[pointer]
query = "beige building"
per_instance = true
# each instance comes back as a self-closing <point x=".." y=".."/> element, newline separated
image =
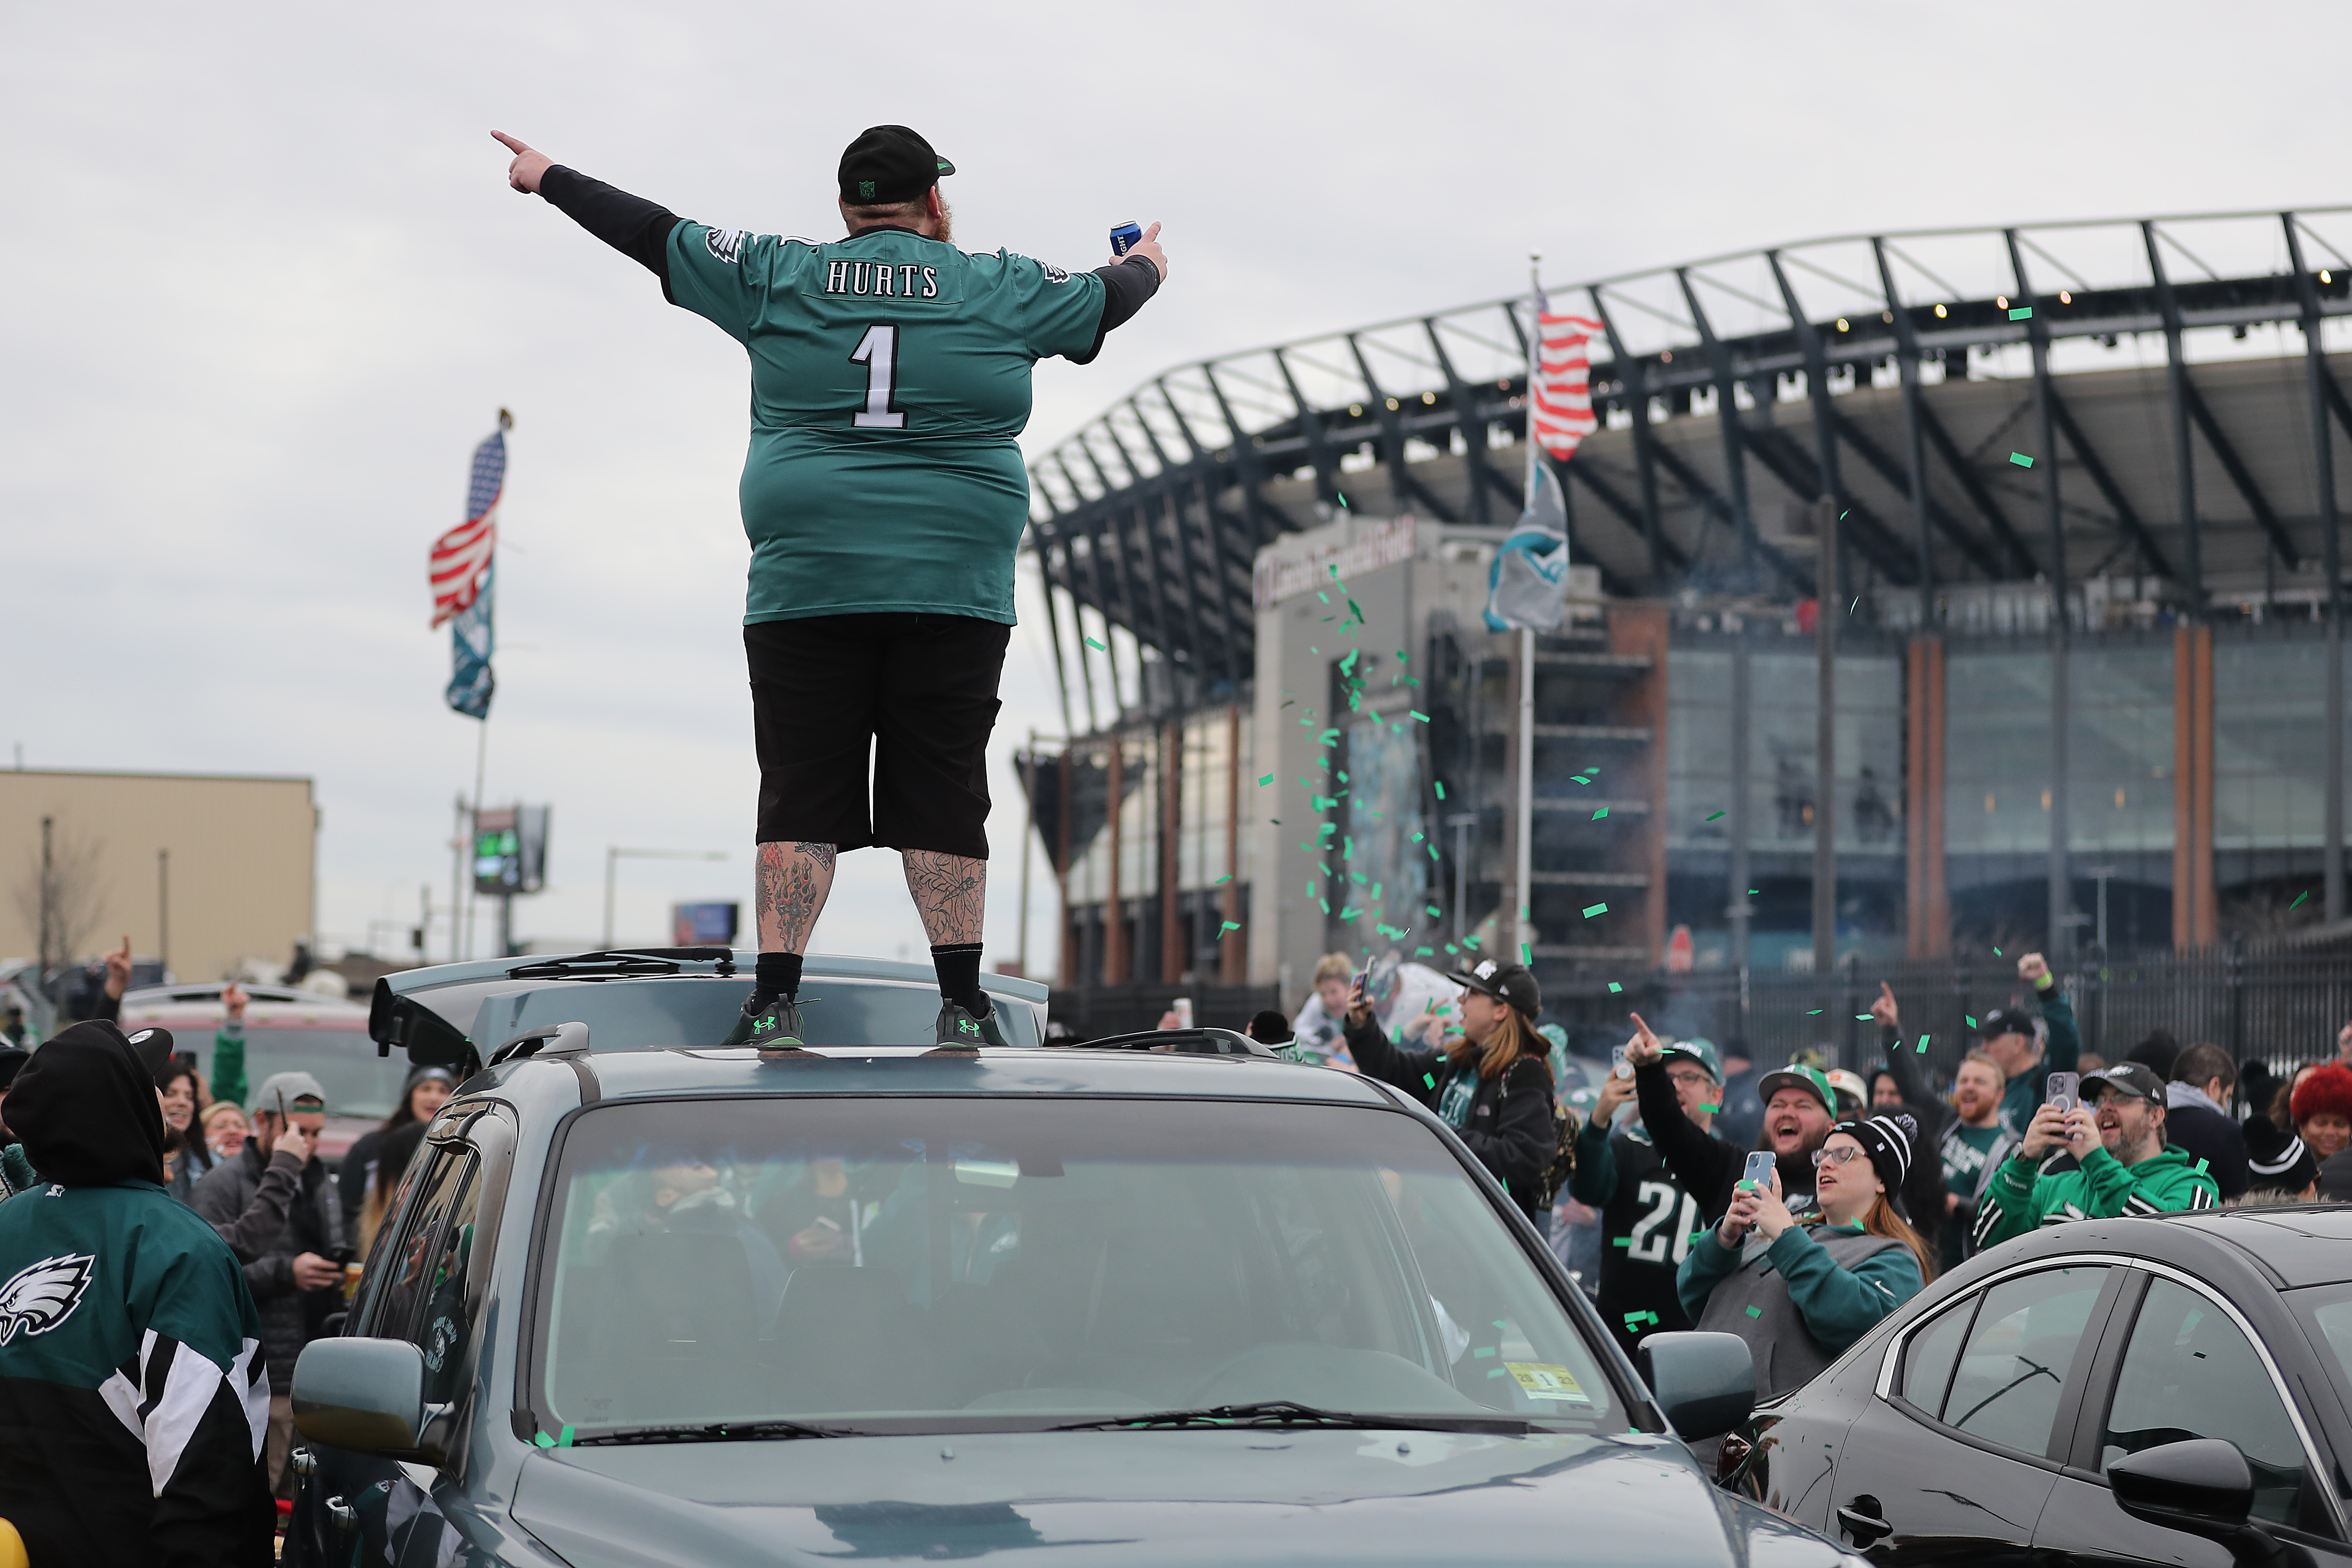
<point x="201" y="870"/>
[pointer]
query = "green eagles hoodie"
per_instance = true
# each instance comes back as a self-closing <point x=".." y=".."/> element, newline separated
<point x="134" y="1397"/>
<point x="2020" y="1198"/>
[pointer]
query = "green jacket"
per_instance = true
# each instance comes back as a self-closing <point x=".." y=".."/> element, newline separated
<point x="2027" y="1090"/>
<point x="2021" y="1199"/>
<point x="1837" y="1304"/>
<point x="228" y="1064"/>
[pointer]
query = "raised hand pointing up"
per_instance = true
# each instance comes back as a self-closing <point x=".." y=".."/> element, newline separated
<point x="528" y="165"/>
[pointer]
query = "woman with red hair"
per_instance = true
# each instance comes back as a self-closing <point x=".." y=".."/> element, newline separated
<point x="2322" y="1109"/>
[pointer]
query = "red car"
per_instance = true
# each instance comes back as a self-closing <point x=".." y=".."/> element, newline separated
<point x="285" y="1031"/>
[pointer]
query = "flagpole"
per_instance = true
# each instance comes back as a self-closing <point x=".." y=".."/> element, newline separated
<point x="1525" y="834"/>
<point x="474" y="824"/>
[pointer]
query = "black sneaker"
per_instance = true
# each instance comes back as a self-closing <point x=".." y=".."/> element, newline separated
<point x="772" y="1026"/>
<point x="961" y="1031"/>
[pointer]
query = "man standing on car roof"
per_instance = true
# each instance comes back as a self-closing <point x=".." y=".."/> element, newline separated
<point x="131" y="1395"/>
<point x="1647" y="1212"/>
<point x="885" y="495"/>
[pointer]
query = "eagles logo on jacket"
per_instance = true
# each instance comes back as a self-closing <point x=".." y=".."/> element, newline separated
<point x="133" y="1401"/>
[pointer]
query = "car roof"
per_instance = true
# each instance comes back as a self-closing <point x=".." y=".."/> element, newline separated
<point x="310" y="1012"/>
<point x="2310" y="1243"/>
<point x="915" y="1071"/>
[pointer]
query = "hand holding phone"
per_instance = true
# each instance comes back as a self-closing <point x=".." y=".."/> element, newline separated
<point x="2065" y="1090"/>
<point x="1757" y="1173"/>
<point x="1618" y="1065"/>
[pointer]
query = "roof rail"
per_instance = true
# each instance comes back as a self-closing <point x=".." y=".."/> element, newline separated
<point x="1202" y="1042"/>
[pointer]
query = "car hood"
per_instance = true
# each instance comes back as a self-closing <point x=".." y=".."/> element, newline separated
<point x="1238" y="1497"/>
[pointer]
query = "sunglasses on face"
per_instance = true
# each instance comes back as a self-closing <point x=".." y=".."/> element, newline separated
<point x="1847" y="1155"/>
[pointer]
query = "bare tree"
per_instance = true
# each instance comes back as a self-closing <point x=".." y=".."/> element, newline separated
<point x="59" y="895"/>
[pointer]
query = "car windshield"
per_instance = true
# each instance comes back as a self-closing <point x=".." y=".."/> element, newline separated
<point x="358" y="1082"/>
<point x="660" y="1014"/>
<point x="960" y="1264"/>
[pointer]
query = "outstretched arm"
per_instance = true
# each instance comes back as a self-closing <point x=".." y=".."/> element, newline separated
<point x="638" y="228"/>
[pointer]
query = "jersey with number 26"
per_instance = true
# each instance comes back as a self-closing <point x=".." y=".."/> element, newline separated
<point x="890" y="385"/>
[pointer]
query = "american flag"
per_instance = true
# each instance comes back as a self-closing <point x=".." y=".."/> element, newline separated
<point x="461" y="557"/>
<point x="1562" y="414"/>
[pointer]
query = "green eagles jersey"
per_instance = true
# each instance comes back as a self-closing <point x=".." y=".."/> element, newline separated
<point x="132" y="1394"/>
<point x="2102" y="1187"/>
<point x="890" y="382"/>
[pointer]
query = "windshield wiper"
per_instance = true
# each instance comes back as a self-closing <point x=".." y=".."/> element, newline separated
<point x="1290" y="1413"/>
<point x="714" y="1432"/>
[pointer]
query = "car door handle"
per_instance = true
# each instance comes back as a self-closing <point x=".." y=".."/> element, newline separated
<point x="1863" y="1520"/>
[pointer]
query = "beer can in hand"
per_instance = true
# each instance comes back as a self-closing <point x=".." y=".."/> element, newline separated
<point x="1126" y="237"/>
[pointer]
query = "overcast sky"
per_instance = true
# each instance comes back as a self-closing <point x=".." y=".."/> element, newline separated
<point x="267" y="287"/>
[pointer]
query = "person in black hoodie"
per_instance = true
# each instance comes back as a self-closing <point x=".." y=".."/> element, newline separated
<point x="1922" y="1200"/>
<point x="2203" y="1078"/>
<point x="131" y="1392"/>
<point x="1491" y="1083"/>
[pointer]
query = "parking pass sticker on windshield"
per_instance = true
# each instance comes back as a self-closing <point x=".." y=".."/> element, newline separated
<point x="1541" y="1380"/>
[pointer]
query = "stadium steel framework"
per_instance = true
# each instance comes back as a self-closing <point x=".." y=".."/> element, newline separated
<point x="1893" y="376"/>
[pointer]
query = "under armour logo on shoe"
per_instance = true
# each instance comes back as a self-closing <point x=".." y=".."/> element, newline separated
<point x="966" y="1026"/>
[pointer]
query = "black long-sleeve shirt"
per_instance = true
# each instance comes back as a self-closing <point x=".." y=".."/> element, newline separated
<point x="640" y="229"/>
<point x="1508" y="1122"/>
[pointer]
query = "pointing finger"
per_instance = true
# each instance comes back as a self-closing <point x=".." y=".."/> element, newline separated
<point x="508" y="142"/>
<point x="1151" y="233"/>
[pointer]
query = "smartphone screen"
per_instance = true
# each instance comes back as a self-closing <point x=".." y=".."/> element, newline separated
<point x="1759" y="1169"/>
<point x="2065" y="1090"/>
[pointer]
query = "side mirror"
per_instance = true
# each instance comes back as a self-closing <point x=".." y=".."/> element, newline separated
<point x="1705" y="1384"/>
<point x="364" y="1395"/>
<point x="2201" y="1487"/>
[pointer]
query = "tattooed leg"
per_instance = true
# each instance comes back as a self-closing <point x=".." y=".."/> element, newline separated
<point x="951" y="892"/>
<point x="794" y="878"/>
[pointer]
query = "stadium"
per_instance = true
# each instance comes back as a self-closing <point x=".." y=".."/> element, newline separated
<point x="2085" y="624"/>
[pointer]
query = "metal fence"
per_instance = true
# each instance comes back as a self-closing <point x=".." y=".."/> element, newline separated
<point x="1101" y="1010"/>
<point x="2281" y="1005"/>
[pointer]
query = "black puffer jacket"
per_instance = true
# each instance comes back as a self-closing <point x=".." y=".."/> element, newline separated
<point x="1509" y="1123"/>
<point x="291" y="1317"/>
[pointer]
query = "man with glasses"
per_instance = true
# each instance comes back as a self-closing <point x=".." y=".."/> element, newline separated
<point x="2123" y="1164"/>
<point x="1647" y="1212"/>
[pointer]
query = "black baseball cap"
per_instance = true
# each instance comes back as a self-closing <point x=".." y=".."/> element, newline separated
<point x="2136" y="1079"/>
<point x="1512" y="982"/>
<point x="889" y="164"/>
<point x="2006" y="1021"/>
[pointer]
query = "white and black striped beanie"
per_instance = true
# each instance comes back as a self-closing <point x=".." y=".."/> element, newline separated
<point x="1888" y="1141"/>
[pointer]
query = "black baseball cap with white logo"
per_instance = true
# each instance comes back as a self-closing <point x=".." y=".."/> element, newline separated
<point x="889" y="164"/>
<point x="2135" y="1079"/>
<point x="1512" y="982"/>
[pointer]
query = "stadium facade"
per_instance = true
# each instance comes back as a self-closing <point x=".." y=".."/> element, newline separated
<point x="2084" y="626"/>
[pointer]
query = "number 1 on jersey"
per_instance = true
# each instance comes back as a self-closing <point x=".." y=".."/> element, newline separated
<point x="877" y="350"/>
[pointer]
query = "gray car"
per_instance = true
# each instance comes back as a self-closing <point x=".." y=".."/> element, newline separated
<point x="1165" y="1298"/>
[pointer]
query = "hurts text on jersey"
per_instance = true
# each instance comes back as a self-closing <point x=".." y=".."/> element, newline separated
<point x="882" y="279"/>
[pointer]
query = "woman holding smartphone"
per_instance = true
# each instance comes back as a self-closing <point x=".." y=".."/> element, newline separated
<point x="1800" y="1294"/>
<point x="1491" y="1083"/>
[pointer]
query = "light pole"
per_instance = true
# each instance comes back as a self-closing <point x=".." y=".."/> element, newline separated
<point x="614" y="854"/>
<point x="1461" y="821"/>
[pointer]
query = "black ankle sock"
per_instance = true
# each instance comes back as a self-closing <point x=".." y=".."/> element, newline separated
<point x="779" y="974"/>
<point x="959" y="967"/>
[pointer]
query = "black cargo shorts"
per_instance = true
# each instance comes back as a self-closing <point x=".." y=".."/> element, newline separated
<point x="909" y="700"/>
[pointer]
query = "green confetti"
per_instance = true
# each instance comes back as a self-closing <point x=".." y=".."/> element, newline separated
<point x="1753" y="891"/>
<point x="1499" y="1372"/>
<point x="1615" y="988"/>
<point x="1601" y="812"/>
<point x="1621" y="1241"/>
<point x="1996" y="952"/>
<point x="1814" y="1014"/>
<point x="1710" y="1109"/>
<point x="2200" y="1167"/>
<point x="1417" y="713"/>
<point x="1923" y="1041"/>
<point x="1755" y="1312"/>
<point x="563" y="1438"/>
<point x="1593" y="910"/>
<point x="1972" y="1023"/>
<point x="1429" y="1078"/>
<point x="1358" y="610"/>
<point x="1861" y="1017"/>
<point x="1226" y="878"/>
<point x="2019" y="312"/>
<point x="1424" y="952"/>
<point x="1229" y="925"/>
<point x="543" y="1440"/>
<point x="2021" y="459"/>
<point x="1482" y="1349"/>
<point x="2290" y="909"/>
<point x="1716" y="816"/>
<point x="1343" y="498"/>
<point x="1526" y="954"/>
<point x="1440" y="787"/>
<point x="1095" y="646"/>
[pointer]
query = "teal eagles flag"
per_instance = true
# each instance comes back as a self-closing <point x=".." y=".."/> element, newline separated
<point x="1527" y="583"/>
<point x="464" y="569"/>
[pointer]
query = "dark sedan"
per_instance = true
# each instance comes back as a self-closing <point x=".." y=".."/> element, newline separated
<point x="2170" y="1389"/>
